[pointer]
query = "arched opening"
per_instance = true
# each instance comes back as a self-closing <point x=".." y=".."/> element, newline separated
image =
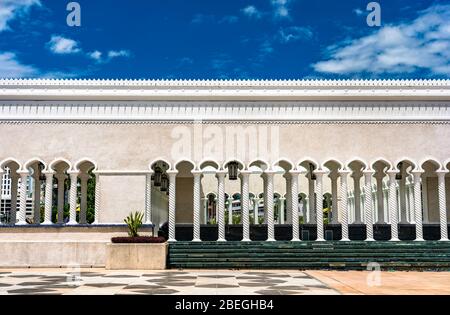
<point x="159" y="187"/>
<point x="331" y="190"/>
<point x="405" y="192"/>
<point x="9" y="191"/>
<point x="430" y="192"/>
<point x="357" y="206"/>
<point x="381" y="192"/>
<point x="60" y="207"/>
<point x="309" y="181"/>
<point x="184" y="192"/>
<point x="86" y="196"/>
<point x="35" y="196"/>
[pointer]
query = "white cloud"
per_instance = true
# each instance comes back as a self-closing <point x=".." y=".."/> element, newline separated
<point x="120" y="53"/>
<point x="63" y="46"/>
<point x="419" y="45"/>
<point x="281" y="8"/>
<point x="96" y="55"/>
<point x="294" y="33"/>
<point x="358" y="12"/>
<point x="11" y="9"/>
<point x="10" y="67"/>
<point x="252" y="12"/>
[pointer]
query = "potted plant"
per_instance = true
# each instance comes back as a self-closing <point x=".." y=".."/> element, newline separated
<point x="135" y="251"/>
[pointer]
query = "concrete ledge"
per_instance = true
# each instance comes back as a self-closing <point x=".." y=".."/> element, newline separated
<point x="52" y="254"/>
<point x="136" y="256"/>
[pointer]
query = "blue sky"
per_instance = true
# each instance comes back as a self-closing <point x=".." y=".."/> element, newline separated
<point x="227" y="39"/>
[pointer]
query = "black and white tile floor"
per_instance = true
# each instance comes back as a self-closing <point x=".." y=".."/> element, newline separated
<point x="176" y="282"/>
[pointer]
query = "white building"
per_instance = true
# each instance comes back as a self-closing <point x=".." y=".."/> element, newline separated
<point x="377" y="151"/>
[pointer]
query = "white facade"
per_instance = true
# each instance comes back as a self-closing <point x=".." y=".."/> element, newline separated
<point x="338" y="139"/>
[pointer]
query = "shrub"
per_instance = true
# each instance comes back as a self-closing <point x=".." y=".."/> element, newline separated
<point x="134" y="222"/>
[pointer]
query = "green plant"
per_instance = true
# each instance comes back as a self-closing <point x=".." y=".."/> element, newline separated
<point x="134" y="222"/>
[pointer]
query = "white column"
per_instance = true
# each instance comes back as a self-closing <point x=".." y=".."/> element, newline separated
<point x="172" y="204"/>
<point x="344" y="205"/>
<point x="265" y="209"/>
<point x="256" y="210"/>
<point x="230" y="210"/>
<point x="97" y="199"/>
<point x="402" y="193"/>
<point x="380" y="202"/>
<point x="426" y="215"/>
<point x="334" y="197"/>
<point x="357" y="195"/>
<point x="312" y="201"/>
<point x="148" y="198"/>
<point x="73" y="198"/>
<point x="205" y="210"/>
<point x="281" y="202"/>
<point x="23" y="197"/>
<point x="2" y="172"/>
<point x="60" y="177"/>
<point x="319" y="205"/>
<point x="368" y="205"/>
<point x="37" y="196"/>
<point x="221" y="204"/>
<point x="269" y="198"/>
<point x="48" y="197"/>
<point x="245" y="178"/>
<point x="83" y="200"/>
<point x="294" y="205"/>
<point x="418" y="205"/>
<point x="197" y="204"/>
<point x="411" y="206"/>
<point x="14" y="187"/>
<point x="287" y="176"/>
<point x="442" y="205"/>
<point x="393" y="214"/>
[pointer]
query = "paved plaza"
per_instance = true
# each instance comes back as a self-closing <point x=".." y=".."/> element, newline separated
<point x="209" y="282"/>
<point x="219" y="282"/>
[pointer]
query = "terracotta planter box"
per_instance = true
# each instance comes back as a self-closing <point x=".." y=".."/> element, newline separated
<point x="136" y="256"/>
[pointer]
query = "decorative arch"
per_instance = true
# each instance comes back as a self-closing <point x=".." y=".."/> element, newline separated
<point x="285" y="164"/>
<point x="85" y="160"/>
<point x="59" y="160"/>
<point x="261" y="163"/>
<point x="185" y="161"/>
<point x="308" y="160"/>
<point x="241" y="164"/>
<point x="406" y="159"/>
<point x="434" y="161"/>
<point x="209" y="162"/>
<point x="365" y="165"/>
<point x="152" y="163"/>
<point x="385" y="161"/>
<point x="332" y="160"/>
<point x="8" y="161"/>
<point x="445" y="165"/>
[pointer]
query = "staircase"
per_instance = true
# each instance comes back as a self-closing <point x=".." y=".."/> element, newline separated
<point x="354" y="255"/>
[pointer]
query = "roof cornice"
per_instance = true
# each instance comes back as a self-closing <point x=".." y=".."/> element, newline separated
<point x="84" y="89"/>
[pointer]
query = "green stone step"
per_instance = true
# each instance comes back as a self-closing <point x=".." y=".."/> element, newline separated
<point x="306" y="251"/>
<point x="342" y="255"/>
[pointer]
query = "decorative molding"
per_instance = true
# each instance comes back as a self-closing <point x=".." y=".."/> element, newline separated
<point x="223" y="112"/>
<point x="47" y="89"/>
